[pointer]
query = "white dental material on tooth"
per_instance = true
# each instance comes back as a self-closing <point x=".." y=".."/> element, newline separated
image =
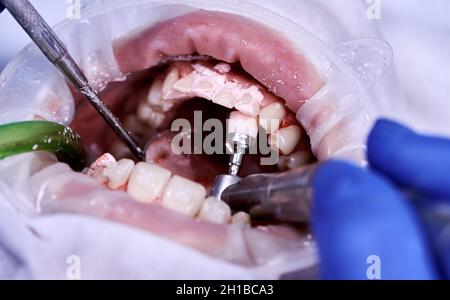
<point x="183" y="196"/>
<point x="226" y="96"/>
<point x="147" y="182"/>
<point x="270" y="117"/>
<point x="241" y="123"/>
<point x="185" y="84"/>
<point x="215" y="211"/>
<point x="285" y="139"/>
<point x="96" y="169"/>
<point x="295" y="160"/>
<point x="222" y="67"/>
<point x="250" y="101"/>
<point x="169" y="82"/>
<point x="241" y="218"/>
<point x="204" y="89"/>
<point x="204" y="71"/>
<point x="119" y="173"/>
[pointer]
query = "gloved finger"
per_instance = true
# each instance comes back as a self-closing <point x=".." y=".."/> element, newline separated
<point x="364" y="228"/>
<point x="411" y="159"/>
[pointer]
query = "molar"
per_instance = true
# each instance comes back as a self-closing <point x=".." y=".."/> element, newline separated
<point x="171" y="78"/>
<point x="155" y="93"/>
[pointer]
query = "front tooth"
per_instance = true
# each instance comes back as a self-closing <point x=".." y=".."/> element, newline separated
<point x="169" y="82"/>
<point x="270" y="117"/>
<point x="241" y="218"/>
<point x="240" y="123"/>
<point x="119" y="173"/>
<point x="226" y="96"/>
<point x="215" y="211"/>
<point x="183" y="196"/>
<point x="204" y="88"/>
<point x="185" y="84"/>
<point x="147" y="182"/>
<point x="285" y="139"/>
<point x="250" y="102"/>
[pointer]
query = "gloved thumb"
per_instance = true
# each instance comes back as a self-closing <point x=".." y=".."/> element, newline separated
<point x="410" y="159"/>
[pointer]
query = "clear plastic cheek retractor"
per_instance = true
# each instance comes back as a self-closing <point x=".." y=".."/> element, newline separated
<point x="52" y="47"/>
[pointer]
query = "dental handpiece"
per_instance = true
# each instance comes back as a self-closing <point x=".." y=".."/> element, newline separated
<point x="55" y="51"/>
<point x="285" y="196"/>
<point x="237" y="144"/>
<point x="288" y="197"/>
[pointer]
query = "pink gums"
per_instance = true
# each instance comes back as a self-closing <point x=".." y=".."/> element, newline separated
<point x="265" y="54"/>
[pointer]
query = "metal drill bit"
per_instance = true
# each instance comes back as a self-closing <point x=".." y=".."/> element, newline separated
<point x="238" y="145"/>
<point x="55" y="51"/>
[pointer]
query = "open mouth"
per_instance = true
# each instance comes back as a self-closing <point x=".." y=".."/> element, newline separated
<point x="226" y="67"/>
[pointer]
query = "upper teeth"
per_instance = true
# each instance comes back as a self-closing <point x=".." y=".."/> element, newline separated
<point x="270" y="117"/>
<point x="286" y="139"/>
<point x="240" y="123"/>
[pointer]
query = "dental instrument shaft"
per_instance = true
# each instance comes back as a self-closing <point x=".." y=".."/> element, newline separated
<point x="237" y="144"/>
<point x="53" y="48"/>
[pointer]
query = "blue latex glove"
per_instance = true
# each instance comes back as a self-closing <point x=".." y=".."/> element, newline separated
<point x="362" y="221"/>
